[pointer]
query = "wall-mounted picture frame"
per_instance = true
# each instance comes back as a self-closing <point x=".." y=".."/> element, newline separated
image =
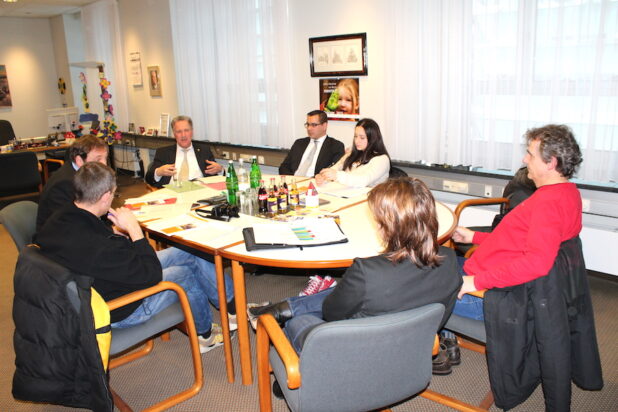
<point x="340" y="98"/>
<point x="341" y="55"/>
<point x="5" y="93"/>
<point x="164" y="124"/>
<point x="154" y="80"/>
<point x="135" y="69"/>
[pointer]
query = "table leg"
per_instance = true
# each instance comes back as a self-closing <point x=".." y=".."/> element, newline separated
<point x="238" y="276"/>
<point x="227" y="342"/>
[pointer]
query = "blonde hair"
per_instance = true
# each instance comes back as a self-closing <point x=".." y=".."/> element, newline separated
<point x="351" y="86"/>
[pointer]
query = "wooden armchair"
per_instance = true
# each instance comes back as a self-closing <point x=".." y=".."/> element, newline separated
<point x="125" y="339"/>
<point x="366" y="374"/>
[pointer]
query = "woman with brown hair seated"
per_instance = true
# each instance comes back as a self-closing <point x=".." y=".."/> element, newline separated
<point x="412" y="271"/>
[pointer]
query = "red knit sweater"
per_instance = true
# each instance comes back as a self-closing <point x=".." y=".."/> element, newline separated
<point x="525" y="244"/>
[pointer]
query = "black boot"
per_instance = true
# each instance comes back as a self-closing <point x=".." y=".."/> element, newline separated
<point x="452" y="350"/>
<point x="440" y="364"/>
<point x="281" y="311"/>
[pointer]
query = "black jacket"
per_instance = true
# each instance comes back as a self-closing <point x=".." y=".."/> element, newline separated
<point x="330" y="153"/>
<point x="79" y="241"/>
<point x="543" y="332"/>
<point x="375" y="286"/>
<point x="167" y="155"/>
<point x="57" y="192"/>
<point x="57" y="357"/>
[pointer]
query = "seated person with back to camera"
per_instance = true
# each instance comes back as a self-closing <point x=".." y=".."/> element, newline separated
<point x="366" y="164"/>
<point x="186" y="159"/>
<point x="76" y="238"/>
<point x="311" y="154"/>
<point x="413" y="270"/>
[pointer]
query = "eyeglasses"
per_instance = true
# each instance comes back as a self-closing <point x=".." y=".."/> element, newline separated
<point x="313" y="124"/>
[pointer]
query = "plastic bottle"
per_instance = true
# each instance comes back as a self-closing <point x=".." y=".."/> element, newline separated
<point x="262" y="199"/>
<point x="243" y="176"/>
<point x="255" y="175"/>
<point x="294" y="201"/>
<point x="272" y="198"/>
<point x="231" y="182"/>
<point x="282" y="201"/>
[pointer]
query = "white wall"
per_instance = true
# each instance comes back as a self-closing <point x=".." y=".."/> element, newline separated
<point x="326" y="18"/>
<point x="146" y="28"/>
<point x="61" y="58"/>
<point x="27" y="50"/>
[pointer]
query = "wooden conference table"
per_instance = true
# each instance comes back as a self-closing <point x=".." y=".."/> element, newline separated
<point x="176" y="223"/>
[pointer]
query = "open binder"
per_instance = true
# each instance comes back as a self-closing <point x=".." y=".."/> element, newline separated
<point x="301" y="233"/>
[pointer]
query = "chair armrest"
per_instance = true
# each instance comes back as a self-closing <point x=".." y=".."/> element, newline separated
<point x="144" y="293"/>
<point x="269" y="326"/>
<point x="478" y="293"/>
<point x="477" y="202"/>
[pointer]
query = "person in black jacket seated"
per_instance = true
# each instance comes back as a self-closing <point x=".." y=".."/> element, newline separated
<point x="58" y="191"/>
<point x="413" y="270"/>
<point x="309" y="155"/>
<point x="76" y="238"/>
<point x="170" y="160"/>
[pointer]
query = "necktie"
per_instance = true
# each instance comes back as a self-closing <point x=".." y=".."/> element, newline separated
<point x="184" y="167"/>
<point x="303" y="169"/>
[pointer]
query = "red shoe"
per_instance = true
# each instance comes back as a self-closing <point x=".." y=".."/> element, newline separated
<point x="328" y="282"/>
<point x="313" y="286"/>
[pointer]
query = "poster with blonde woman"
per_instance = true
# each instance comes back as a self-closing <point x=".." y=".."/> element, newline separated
<point x="339" y="98"/>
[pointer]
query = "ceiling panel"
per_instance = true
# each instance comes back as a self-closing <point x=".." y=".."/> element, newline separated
<point x="41" y="8"/>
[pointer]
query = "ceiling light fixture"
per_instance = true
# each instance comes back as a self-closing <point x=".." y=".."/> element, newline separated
<point x="10" y="1"/>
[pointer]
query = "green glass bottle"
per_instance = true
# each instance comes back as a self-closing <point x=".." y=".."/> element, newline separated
<point x="231" y="183"/>
<point x="255" y="175"/>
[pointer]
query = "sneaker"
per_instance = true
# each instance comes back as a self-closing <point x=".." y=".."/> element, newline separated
<point x="252" y="317"/>
<point x="313" y="286"/>
<point x="328" y="282"/>
<point x="213" y="341"/>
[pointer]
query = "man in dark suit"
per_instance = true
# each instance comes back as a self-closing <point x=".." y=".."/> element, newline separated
<point x="58" y="191"/>
<point x="184" y="159"/>
<point x="309" y="155"/>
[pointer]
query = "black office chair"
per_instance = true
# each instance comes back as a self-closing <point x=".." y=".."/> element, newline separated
<point x="20" y="176"/>
<point x="6" y="132"/>
<point x="396" y="172"/>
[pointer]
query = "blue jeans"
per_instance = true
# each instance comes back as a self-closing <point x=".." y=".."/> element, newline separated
<point x="307" y="314"/>
<point x="468" y="306"/>
<point x="196" y="276"/>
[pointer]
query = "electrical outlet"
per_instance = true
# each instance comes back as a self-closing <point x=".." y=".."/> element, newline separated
<point x="488" y="191"/>
<point x="585" y="205"/>
<point x="261" y="160"/>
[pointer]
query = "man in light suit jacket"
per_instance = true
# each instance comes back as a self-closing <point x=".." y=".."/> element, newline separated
<point x="309" y="155"/>
<point x="168" y="160"/>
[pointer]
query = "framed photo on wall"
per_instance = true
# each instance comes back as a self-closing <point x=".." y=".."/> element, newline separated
<point x="154" y="80"/>
<point x="342" y="55"/>
<point x="5" y="94"/>
<point x="340" y="98"/>
<point x="164" y="125"/>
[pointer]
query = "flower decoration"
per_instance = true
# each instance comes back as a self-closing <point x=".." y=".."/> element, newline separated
<point x="109" y="131"/>
<point x="69" y="135"/>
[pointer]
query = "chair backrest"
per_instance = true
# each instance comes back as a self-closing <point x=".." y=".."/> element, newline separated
<point x="6" y="132"/>
<point x="19" y="219"/>
<point x="20" y="173"/>
<point x="396" y="172"/>
<point x="367" y="363"/>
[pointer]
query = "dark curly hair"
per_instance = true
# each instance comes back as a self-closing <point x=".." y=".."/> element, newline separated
<point x="557" y="140"/>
